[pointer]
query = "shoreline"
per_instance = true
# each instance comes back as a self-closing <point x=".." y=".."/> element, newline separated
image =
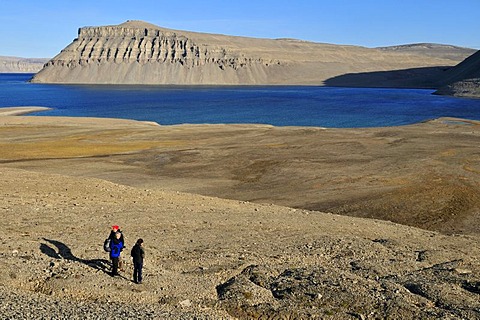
<point x="18" y="111"/>
<point x="12" y="115"/>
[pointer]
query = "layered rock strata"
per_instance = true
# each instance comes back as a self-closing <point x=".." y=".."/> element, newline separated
<point x="140" y="53"/>
<point x="21" y="65"/>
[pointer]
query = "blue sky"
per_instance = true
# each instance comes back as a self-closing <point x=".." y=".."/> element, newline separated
<point x="41" y="28"/>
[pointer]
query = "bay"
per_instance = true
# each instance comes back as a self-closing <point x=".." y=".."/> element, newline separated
<point x="275" y="105"/>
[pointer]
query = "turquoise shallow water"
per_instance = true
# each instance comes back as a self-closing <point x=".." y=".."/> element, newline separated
<point x="276" y="105"/>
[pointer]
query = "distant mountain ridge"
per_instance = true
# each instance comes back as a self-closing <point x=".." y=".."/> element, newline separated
<point x="433" y="49"/>
<point x="137" y="52"/>
<point x="21" y="65"/>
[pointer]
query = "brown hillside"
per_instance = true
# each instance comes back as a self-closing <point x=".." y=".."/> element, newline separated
<point x="434" y="50"/>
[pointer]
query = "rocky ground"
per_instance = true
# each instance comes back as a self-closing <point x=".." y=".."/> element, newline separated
<point x="207" y="257"/>
<point x="216" y="258"/>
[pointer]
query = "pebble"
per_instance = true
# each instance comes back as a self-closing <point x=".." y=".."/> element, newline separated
<point x="462" y="271"/>
<point x="186" y="303"/>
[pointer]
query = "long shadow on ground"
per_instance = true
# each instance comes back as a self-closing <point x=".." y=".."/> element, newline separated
<point x="62" y="251"/>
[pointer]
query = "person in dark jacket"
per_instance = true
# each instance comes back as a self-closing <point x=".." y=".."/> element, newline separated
<point x="138" y="253"/>
<point x="116" y="247"/>
<point x="114" y="230"/>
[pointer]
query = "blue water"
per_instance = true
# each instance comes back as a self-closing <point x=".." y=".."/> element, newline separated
<point x="276" y="105"/>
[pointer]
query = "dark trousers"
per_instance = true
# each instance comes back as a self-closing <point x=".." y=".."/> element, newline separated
<point x="115" y="266"/>
<point x="137" y="271"/>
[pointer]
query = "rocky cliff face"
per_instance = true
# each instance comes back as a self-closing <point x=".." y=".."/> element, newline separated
<point x="21" y="65"/>
<point x="464" y="79"/>
<point x="142" y="46"/>
<point x="140" y="53"/>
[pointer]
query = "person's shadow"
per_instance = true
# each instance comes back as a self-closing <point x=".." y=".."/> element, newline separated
<point x="62" y="251"/>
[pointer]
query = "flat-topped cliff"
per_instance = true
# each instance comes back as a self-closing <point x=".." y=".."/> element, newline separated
<point x="21" y="65"/>
<point x="136" y="52"/>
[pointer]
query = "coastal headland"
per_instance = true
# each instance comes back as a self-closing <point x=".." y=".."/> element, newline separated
<point x="137" y="52"/>
<point x="241" y="221"/>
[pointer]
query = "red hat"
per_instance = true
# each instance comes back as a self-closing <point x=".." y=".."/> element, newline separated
<point x="115" y="227"/>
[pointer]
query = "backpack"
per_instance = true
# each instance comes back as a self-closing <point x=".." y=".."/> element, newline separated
<point x="106" y="245"/>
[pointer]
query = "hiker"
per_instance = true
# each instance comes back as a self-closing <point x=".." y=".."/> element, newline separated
<point x="115" y="229"/>
<point x="116" y="247"/>
<point x="138" y="253"/>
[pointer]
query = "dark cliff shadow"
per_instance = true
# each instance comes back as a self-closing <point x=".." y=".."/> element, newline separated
<point x="425" y="78"/>
<point x="62" y="251"/>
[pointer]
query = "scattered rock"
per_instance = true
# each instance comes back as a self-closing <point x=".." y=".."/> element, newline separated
<point x="185" y="303"/>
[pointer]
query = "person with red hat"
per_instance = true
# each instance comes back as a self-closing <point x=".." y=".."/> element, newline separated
<point x="116" y="229"/>
<point x="114" y="237"/>
<point x="116" y="247"/>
